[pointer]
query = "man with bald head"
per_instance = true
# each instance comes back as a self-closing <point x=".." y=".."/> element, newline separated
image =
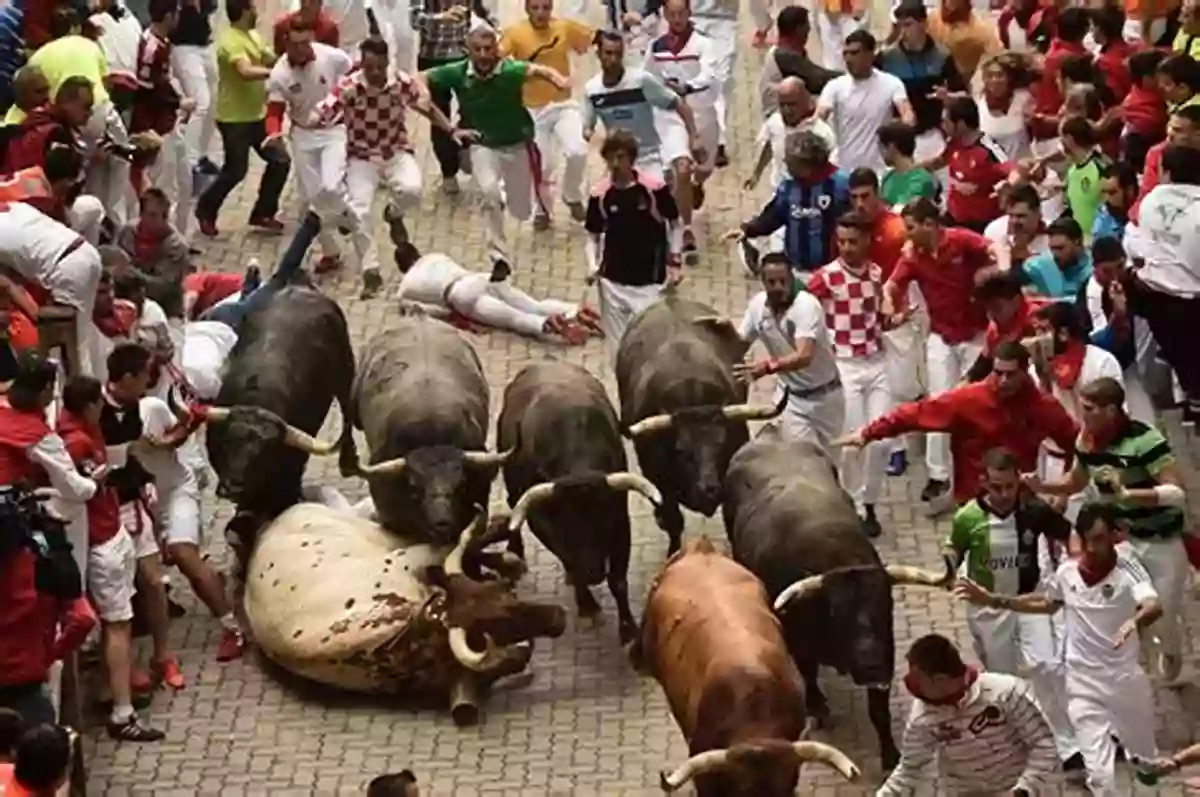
<point x="796" y="112"/>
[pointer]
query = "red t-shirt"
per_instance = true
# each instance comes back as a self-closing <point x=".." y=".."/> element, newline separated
<point x="19" y="431"/>
<point x="1144" y="112"/>
<point x="1047" y="94"/>
<point x="947" y="281"/>
<point x="1113" y="63"/>
<point x="887" y="241"/>
<point x="974" y="171"/>
<point x="86" y="447"/>
<point x="211" y="287"/>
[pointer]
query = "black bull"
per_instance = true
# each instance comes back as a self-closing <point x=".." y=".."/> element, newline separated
<point x="682" y="405"/>
<point x="791" y="524"/>
<point x="421" y="399"/>
<point x="292" y="359"/>
<point x="567" y="477"/>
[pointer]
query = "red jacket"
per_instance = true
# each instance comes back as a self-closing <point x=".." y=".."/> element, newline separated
<point x="978" y="420"/>
<point x="36" y="629"/>
<point x="1020" y="327"/>
<point x="86" y="447"/>
<point x="1113" y="63"/>
<point x="1144" y="112"/>
<point x="947" y="281"/>
<point x="1048" y="98"/>
<point x="1151" y="173"/>
<point x="28" y="147"/>
<point x="18" y="432"/>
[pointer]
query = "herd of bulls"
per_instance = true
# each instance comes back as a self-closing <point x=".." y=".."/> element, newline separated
<point x="734" y="642"/>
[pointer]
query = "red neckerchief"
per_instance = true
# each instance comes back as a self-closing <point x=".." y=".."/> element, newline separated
<point x="1093" y="572"/>
<point x="145" y="243"/>
<point x="1066" y="366"/>
<point x="820" y="176"/>
<point x="969" y="679"/>
<point x="676" y="42"/>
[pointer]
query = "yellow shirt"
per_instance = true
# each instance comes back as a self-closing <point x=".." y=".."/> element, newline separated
<point x="240" y="100"/>
<point x="1187" y="44"/>
<point x="550" y="46"/>
<point x="70" y="56"/>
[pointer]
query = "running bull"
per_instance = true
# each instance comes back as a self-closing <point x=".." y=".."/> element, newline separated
<point x="340" y="600"/>
<point x="292" y="359"/>
<point x="568" y="477"/>
<point x="710" y="639"/>
<point x="682" y="405"/>
<point x="791" y="524"/>
<point x="421" y="398"/>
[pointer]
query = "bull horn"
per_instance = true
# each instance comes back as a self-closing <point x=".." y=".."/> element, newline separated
<point x="467" y="656"/>
<point x="388" y="466"/>
<point x="802" y="588"/>
<point x="529" y="499"/>
<point x="633" y="482"/>
<point x="829" y="755"/>
<point x="298" y="438"/>
<point x="755" y="412"/>
<point x="698" y="764"/>
<point x="217" y="414"/>
<point x="920" y="577"/>
<point x="453" y="565"/>
<point x="655" y="423"/>
<point x="486" y="459"/>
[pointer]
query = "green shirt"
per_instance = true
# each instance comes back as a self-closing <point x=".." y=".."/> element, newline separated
<point x="900" y="188"/>
<point x="493" y="105"/>
<point x="1139" y="457"/>
<point x="1083" y="191"/>
<point x="240" y="100"/>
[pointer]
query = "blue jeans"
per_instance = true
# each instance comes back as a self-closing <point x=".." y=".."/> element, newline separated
<point x="234" y="313"/>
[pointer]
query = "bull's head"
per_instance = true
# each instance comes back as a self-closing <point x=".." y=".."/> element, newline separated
<point x="434" y="478"/>
<point x="571" y="505"/>
<point x="858" y="608"/>
<point x="701" y="438"/>
<point x="766" y="768"/>
<point x="244" y="443"/>
<point x="485" y="619"/>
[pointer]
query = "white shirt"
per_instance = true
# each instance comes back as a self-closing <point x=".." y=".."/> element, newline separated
<point x="804" y="320"/>
<point x="774" y="132"/>
<point x="32" y="243"/>
<point x="1093" y="615"/>
<point x="695" y="65"/>
<point x="161" y="463"/>
<point x="304" y="89"/>
<point x="997" y="233"/>
<point x="1097" y="363"/>
<point x="1167" y="237"/>
<point x="1008" y="129"/>
<point x="858" y="108"/>
<point x="119" y="39"/>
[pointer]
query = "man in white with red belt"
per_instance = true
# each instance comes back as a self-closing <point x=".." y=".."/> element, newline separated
<point x="55" y="257"/>
<point x="300" y="84"/>
<point x="851" y="291"/>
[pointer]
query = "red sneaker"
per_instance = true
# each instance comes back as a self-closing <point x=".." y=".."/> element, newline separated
<point x="268" y="224"/>
<point x="208" y="227"/>
<point x="140" y="681"/>
<point x="328" y="263"/>
<point x="168" y="672"/>
<point x="231" y="646"/>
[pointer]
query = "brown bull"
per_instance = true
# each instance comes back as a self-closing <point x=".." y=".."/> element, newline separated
<point x="710" y="639"/>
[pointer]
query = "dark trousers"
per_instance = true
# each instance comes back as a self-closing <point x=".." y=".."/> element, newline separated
<point x="30" y="701"/>
<point x="234" y="313"/>
<point x="1172" y="321"/>
<point x="237" y="139"/>
<point x="444" y="147"/>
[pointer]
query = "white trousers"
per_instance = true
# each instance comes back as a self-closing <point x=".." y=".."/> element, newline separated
<point x="171" y="172"/>
<point x="400" y="175"/>
<point x="178" y="509"/>
<point x="724" y="34"/>
<point x="86" y="216"/>
<point x="1003" y="640"/>
<point x="108" y="179"/>
<point x="905" y="346"/>
<point x="619" y="305"/>
<point x="500" y="305"/>
<point x="1167" y="565"/>
<point x="73" y="281"/>
<point x="196" y="69"/>
<point x="558" y="129"/>
<point x="819" y="419"/>
<point x="319" y="163"/>
<point x="519" y="169"/>
<point x="868" y="396"/>
<point x="833" y="32"/>
<point x="946" y="364"/>
<point x="1107" y="703"/>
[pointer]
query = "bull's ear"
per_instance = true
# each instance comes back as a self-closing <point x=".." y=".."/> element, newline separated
<point x="435" y="576"/>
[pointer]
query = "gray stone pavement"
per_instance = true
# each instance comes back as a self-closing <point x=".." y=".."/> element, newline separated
<point x="588" y="724"/>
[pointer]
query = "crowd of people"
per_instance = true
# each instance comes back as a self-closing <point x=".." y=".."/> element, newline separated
<point x="983" y="230"/>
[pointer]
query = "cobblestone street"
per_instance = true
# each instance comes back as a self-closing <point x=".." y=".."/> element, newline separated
<point x="588" y="724"/>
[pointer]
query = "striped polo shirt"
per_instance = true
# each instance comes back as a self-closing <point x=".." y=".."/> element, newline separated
<point x="1139" y="455"/>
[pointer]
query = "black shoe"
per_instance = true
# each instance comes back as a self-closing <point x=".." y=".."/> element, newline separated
<point x="722" y="159"/>
<point x="500" y="270"/>
<point x="134" y="731"/>
<point x="207" y="167"/>
<point x="934" y="490"/>
<point x="870" y="523"/>
<point x="897" y="463"/>
<point x="372" y="283"/>
<point x="1074" y="764"/>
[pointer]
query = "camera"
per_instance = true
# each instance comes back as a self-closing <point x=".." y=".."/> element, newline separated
<point x="26" y="524"/>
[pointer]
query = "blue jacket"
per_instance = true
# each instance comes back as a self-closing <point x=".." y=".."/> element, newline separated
<point x="1107" y="225"/>
<point x="808" y="212"/>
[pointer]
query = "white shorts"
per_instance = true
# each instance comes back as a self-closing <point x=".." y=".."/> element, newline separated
<point x="141" y="529"/>
<point x="179" y="511"/>
<point x="111" y="570"/>
<point x="673" y="134"/>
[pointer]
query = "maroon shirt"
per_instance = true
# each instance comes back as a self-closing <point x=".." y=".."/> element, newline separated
<point x="156" y="102"/>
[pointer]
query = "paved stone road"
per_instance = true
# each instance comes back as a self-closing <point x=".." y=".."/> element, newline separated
<point x="588" y="724"/>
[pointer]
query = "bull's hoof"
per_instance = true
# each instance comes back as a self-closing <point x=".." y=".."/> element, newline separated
<point x="465" y="715"/>
<point x="406" y="255"/>
<point x="627" y="634"/>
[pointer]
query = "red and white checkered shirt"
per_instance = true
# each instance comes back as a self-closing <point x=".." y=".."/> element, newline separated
<point x="375" y="117"/>
<point x="852" y="308"/>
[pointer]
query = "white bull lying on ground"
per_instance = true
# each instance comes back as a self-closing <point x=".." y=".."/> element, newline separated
<point x="338" y="599"/>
